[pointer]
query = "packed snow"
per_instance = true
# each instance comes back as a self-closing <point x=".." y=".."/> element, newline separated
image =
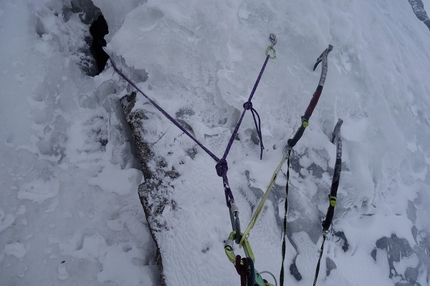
<point x="70" y="212"/>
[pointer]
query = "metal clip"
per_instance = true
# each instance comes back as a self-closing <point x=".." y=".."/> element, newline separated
<point x="271" y="49"/>
<point x="228" y="242"/>
<point x="235" y="222"/>
<point x="273" y="39"/>
<point x="234" y="209"/>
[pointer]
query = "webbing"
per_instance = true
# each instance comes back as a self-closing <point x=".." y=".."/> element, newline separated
<point x="242" y="268"/>
<point x="284" y="234"/>
<point x="336" y="139"/>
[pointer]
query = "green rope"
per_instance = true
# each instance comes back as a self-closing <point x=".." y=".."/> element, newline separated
<point x="263" y="200"/>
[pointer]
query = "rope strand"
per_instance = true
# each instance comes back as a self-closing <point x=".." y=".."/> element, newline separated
<point x="176" y="123"/>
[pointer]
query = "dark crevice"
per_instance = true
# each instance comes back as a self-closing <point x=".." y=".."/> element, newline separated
<point x="95" y="59"/>
<point x="98" y="30"/>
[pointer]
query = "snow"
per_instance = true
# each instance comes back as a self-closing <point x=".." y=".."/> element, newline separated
<point x="39" y="190"/>
<point x="70" y="213"/>
<point x="66" y="216"/>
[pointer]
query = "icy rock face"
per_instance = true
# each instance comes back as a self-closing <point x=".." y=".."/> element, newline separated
<point x="156" y="192"/>
<point x="69" y="30"/>
<point x="405" y="262"/>
<point x="68" y="211"/>
<point x="81" y="27"/>
<point x="396" y="249"/>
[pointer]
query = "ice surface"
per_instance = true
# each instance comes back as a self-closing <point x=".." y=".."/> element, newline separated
<point x="376" y="184"/>
<point x="69" y="209"/>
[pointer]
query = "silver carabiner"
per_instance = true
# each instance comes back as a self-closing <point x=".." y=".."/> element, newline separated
<point x="235" y="222"/>
<point x="273" y="39"/>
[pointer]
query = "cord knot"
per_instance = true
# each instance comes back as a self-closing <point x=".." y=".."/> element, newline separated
<point x="221" y="167"/>
<point x="247" y="105"/>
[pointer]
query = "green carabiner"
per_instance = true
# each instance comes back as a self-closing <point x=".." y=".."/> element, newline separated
<point x="271" y="48"/>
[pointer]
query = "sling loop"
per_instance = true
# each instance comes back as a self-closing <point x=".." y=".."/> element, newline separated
<point x="257" y="122"/>
<point x="336" y="139"/>
<point x="222" y="166"/>
<point x="248" y="275"/>
<point x="242" y="266"/>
